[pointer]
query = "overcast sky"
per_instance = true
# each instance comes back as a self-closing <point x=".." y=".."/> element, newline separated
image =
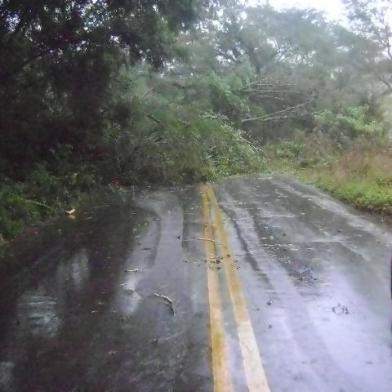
<point x="333" y="9"/>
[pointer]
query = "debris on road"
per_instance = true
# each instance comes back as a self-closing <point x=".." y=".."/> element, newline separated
<point x="201" y="239"/>
<point x="192" y="262"/>
<point x="340" y="309"/>
<point x="215" y="260"/>
<point x="206" y="239"/>
<point x="168" y="301"/>
<point x="134" y="270"/>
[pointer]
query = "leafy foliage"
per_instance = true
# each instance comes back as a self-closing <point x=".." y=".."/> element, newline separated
<point x="372" y="21"/>
<point x="44" y="195"/>
<point x="59" y="61"/>
<point x="350" y="122"/>
<point x="96" y="92"/>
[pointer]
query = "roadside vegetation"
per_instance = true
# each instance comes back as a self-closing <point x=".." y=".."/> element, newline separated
<point x="360" y="176"/>
<point x="98" y="94"/>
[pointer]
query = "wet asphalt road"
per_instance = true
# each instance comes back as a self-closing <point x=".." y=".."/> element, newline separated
<point x="279" y="288"/>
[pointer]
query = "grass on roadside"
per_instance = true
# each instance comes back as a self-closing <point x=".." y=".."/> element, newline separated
<point x="360" y="176"/>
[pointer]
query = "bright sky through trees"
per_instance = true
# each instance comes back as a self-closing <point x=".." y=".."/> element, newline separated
<point x="333" y="9"/>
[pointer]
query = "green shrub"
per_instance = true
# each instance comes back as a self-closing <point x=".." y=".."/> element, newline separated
<point x="42" y="195"/>
<point x="351" y="122"/>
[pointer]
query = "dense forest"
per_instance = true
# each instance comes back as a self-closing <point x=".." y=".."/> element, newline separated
<point x="108" y="93"/>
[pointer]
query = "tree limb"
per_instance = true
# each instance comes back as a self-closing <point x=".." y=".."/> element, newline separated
<point x="272" y="116"/>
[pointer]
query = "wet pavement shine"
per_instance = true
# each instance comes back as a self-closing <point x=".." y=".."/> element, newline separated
<point x="251" y="284"/>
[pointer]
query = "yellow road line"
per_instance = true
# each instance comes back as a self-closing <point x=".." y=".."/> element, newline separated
<point x="255" y="374"/>
<point x="219" y="351"/>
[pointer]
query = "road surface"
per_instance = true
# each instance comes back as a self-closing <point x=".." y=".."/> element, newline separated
<point x="251" y="284"/>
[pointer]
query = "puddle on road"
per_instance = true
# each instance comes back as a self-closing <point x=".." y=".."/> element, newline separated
<point x="128" y="302"/>
<point x="74" y="271"/>
<point x="37" y="314"/>
<point x="6" y="377"/>
<point x="128" y="299"/>
<point x="48" y="313"/>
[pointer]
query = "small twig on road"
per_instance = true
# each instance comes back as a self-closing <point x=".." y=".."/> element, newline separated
<point x="167" y="300"/>
<point x="200" y="239"/>
<point x="134" y="270"/>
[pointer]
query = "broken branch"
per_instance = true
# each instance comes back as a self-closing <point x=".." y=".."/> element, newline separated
<point x="167" y="301"/>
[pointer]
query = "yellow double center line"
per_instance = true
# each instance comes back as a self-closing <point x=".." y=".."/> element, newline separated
<point x="216" y="239"/>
